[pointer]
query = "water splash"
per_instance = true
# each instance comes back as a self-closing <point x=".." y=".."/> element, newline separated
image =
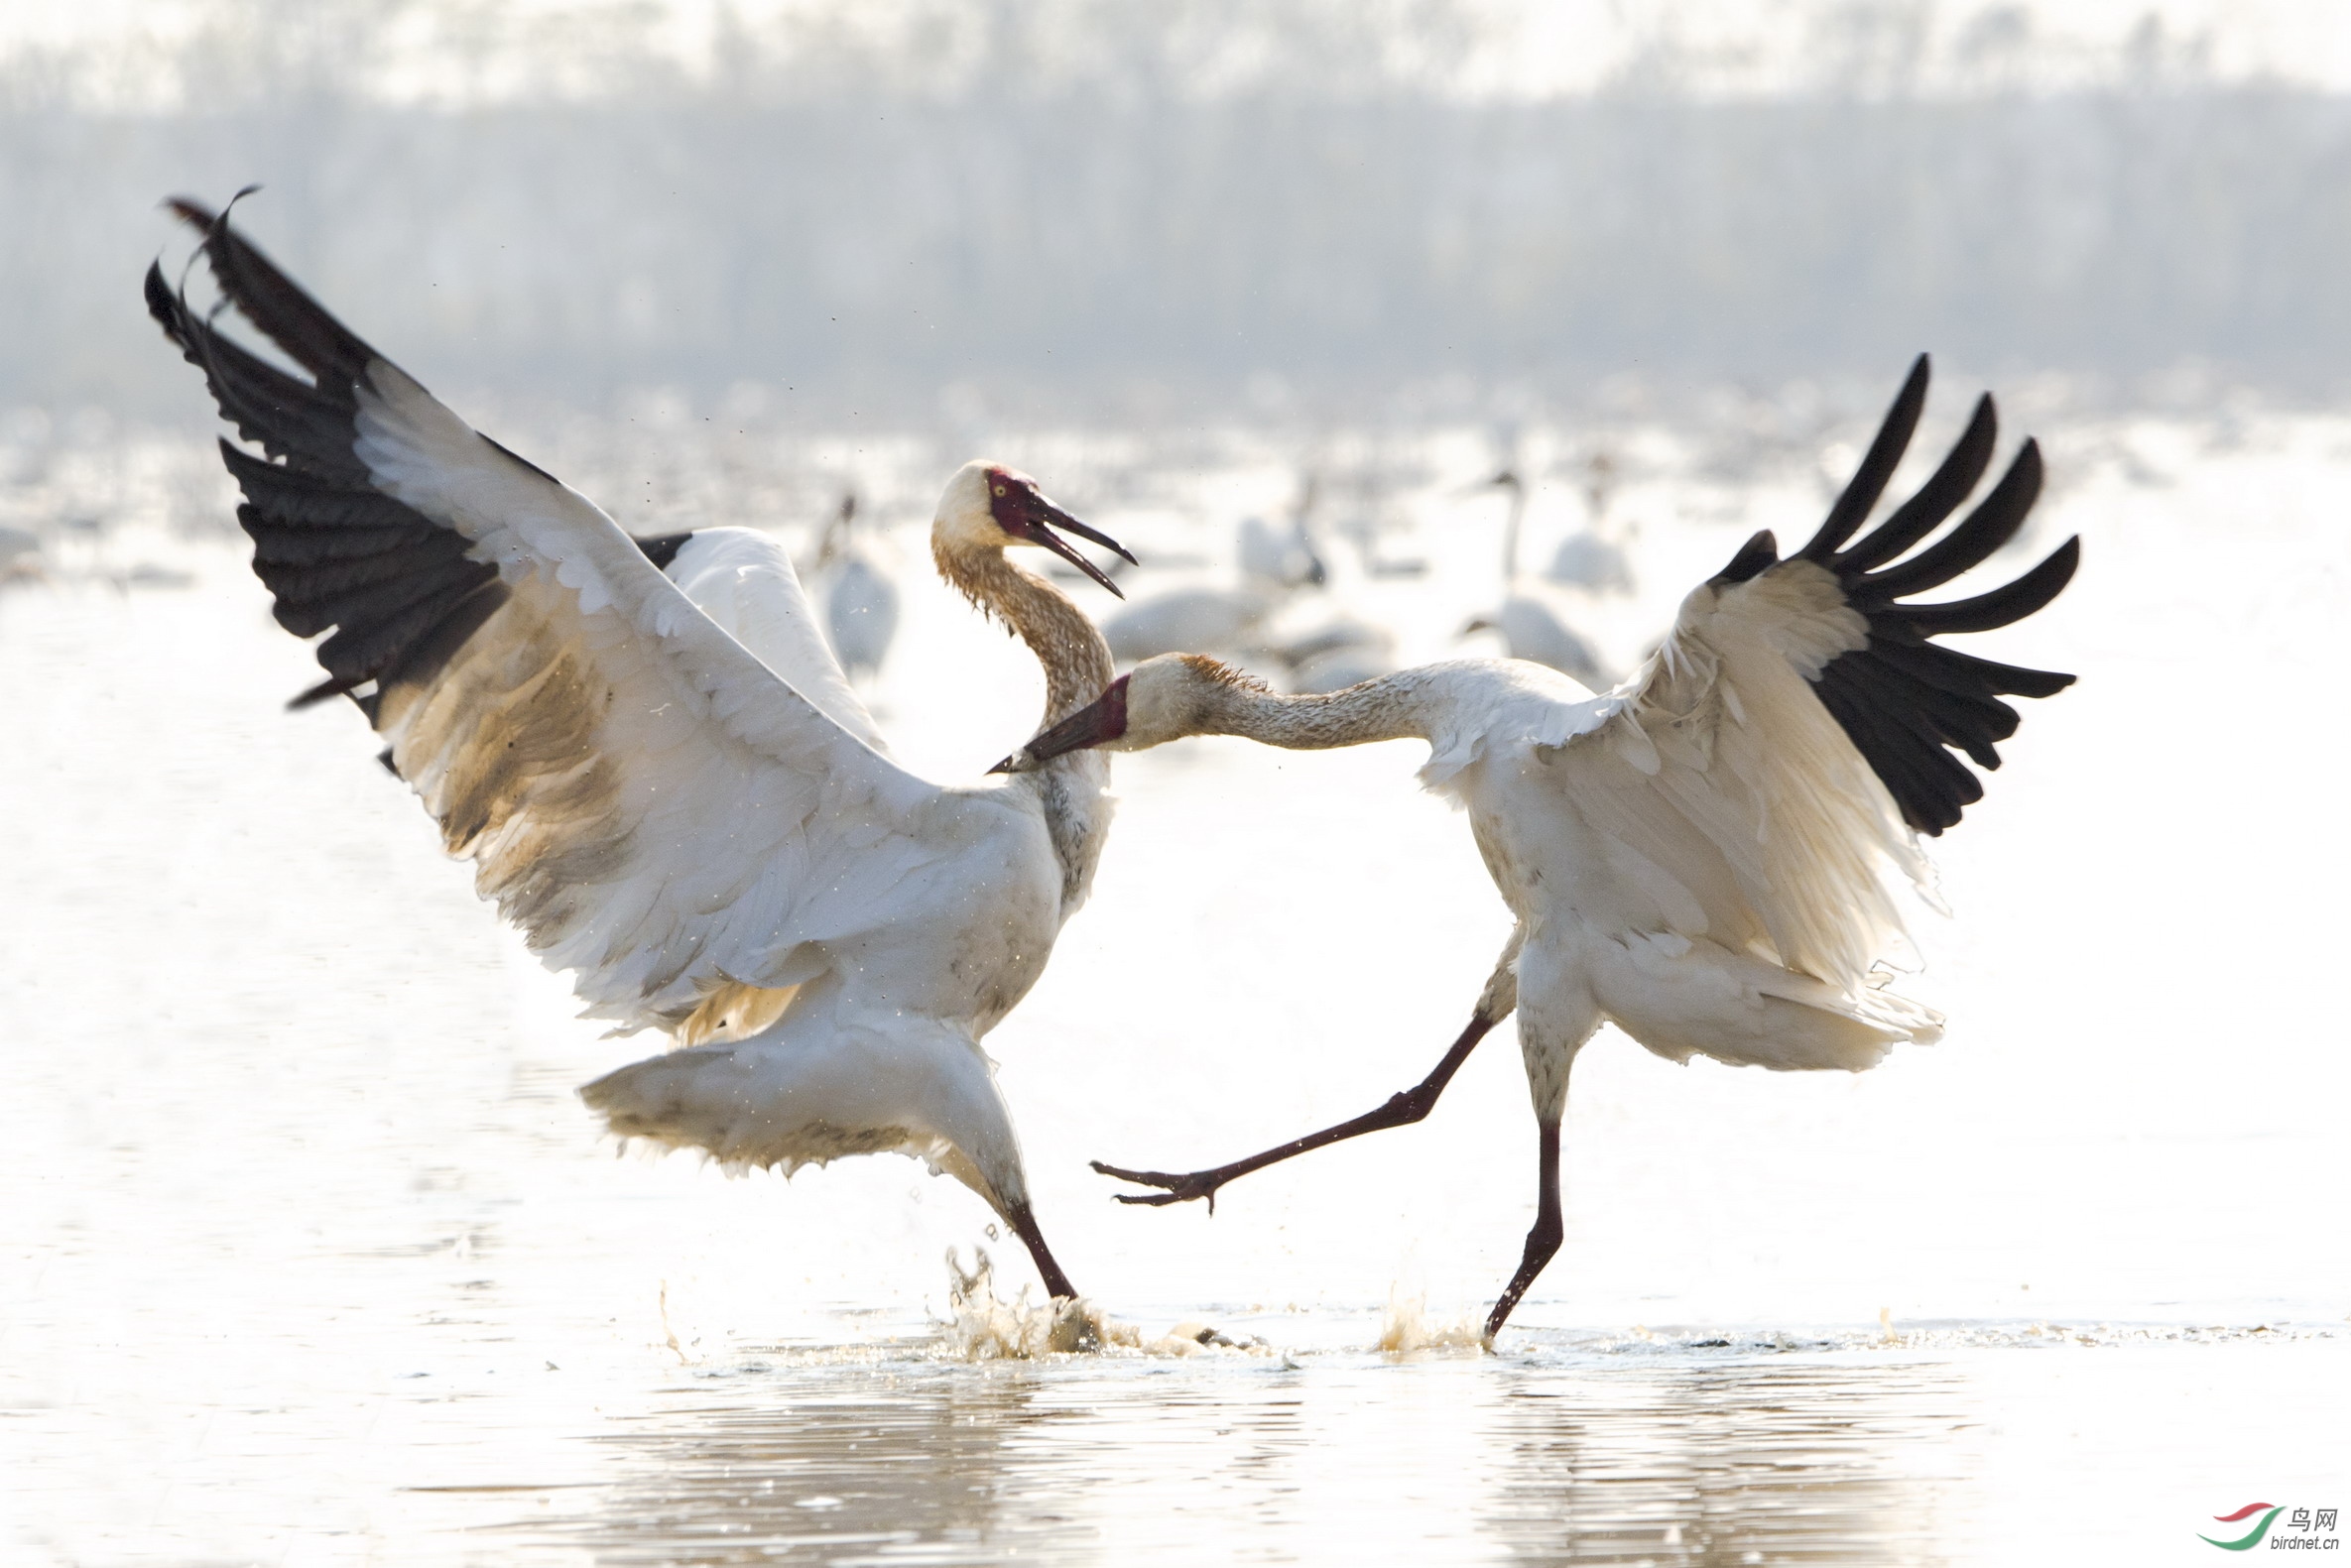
<point x="1407" y="1328"/>
<point x="983" y="1326"/>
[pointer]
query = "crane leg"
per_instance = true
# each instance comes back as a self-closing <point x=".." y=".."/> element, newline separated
<point x="1402" y="1110"/>
<point x="1023" y="1225"/>
<point x="1543" y="1241"/>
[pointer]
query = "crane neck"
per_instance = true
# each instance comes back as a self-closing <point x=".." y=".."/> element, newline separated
<point x="1078" y="666"/>
<point x="1390" y="708"/>
<point x="1510" y="534"/>
<point x="1063" y="638"/>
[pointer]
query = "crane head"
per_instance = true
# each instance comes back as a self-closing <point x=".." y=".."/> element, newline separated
<point x="988" y="505"/>
<point x="1162" y="699"/>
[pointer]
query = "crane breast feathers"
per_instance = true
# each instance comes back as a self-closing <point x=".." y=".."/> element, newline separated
<point x="658" y="809"/>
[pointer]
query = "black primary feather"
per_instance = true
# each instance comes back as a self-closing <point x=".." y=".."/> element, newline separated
<point x="1907" y="702"/>
<point x="1936" y="498"/>
<point x="396" y="589"/>
<point x="1877" y="466"/>
<point x="1757" y="556"/>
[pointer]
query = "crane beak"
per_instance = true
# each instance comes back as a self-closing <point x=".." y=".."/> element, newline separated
<point x="1045" y="516"/>
<point x="1101" y="720"/>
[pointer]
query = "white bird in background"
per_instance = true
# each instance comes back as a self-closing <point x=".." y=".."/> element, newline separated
<point x="861" y="602"/>
<point x="19" y="555"/>
<point x="1530" y="630"/>
<point x="1280" y="560"/>
<point x="1228" y="620"/>
<point x="1706" y="855"/>
<point x="1339" y="652"/>
<point x="1272" y="566"/>
<point x="702" y="827"/>
<point x="1590" y="559"/>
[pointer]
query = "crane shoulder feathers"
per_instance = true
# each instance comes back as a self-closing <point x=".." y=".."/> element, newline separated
<point x="661" y="808"/>
<point x="1478" y="709"/>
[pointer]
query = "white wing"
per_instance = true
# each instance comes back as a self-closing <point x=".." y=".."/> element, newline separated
<point x="658" y="809"/>
<point x="744" y="581"/>
<point x="1775" y="760"/>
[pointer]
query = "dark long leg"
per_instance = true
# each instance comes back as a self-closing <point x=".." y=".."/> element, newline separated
<point x="1543" y="1241"/>
<point x="1023" y="1225"/>
<point x="1402" y="1110"/>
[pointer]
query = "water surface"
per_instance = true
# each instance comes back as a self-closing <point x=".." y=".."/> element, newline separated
<point x="311" y="1256"/>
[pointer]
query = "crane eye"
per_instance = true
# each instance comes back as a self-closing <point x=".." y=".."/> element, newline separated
<point x="1000" y="490"/>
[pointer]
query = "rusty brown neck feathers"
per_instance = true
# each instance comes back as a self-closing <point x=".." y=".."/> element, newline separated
<point x="1078" y="666"/>
<point x="1063" y="638"/>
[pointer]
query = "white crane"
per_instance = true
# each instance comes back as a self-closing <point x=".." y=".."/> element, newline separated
<point x="1230" y="620"/>
<point x="1273" y="567"/>
<point x="1706" y="855"/>
<point x="1530" y="630"/>
<point x="1591" y="561"/>
<point x="663" y="778"/>
<point x="860" y="602"/>
<point x="1280" y="561"/>
<point x="1341" y="652"/>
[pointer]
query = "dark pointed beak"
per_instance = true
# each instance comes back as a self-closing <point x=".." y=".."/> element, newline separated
<point x="1104" y="719"/>
<point x="1048" y="517"/>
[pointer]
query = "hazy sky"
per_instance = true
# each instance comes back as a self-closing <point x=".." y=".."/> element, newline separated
<point x="1532" y="46"/>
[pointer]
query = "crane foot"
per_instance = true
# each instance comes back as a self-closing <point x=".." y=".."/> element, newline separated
<point x="1198" y="1184"/>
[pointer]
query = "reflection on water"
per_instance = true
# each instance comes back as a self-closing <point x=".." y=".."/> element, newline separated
<point x="922" y="1465"/>
<point x="1718" y="1464"/>
<point x="1548" y="1459"/>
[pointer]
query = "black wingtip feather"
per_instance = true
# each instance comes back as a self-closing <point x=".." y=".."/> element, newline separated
<point x="395" y="590"/>
<point x="160" y="303"/>
<point x="663" y="549"/>
<point x="311" y="697"/>
<point x="1907" y="702"/>
<point x="1949" y="669"/>
<point x="274" y="303"/>
<point x="1758" y="555"/>
<point x="1877" y="466"/>
<point x="1936" y="500"/>
<point x="1985" y="529"/>
<point x="2003" y="606"/>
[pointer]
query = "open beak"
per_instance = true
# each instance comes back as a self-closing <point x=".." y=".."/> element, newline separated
<point x="1047" y="517"/>
<point x="1104" y="719"/>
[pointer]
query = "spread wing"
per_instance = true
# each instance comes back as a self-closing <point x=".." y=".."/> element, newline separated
<point x="659" y="810"/>
<point x="1788" y="742"/>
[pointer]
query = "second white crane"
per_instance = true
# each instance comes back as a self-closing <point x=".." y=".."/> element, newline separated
<point x="1706" y="857"/>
